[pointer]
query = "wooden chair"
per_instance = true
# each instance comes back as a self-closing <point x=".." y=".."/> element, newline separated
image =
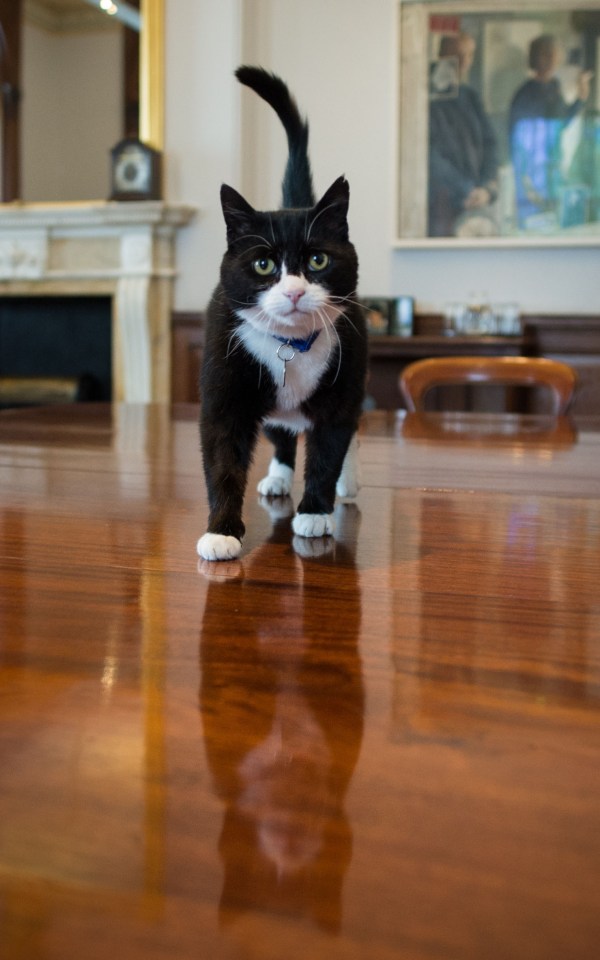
<point x="419" y="377"/>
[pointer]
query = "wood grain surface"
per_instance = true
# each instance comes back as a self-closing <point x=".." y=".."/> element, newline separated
<point x="384" y="745"/>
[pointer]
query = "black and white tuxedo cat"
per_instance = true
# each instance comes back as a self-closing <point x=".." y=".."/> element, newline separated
<point x="285" y="345"/>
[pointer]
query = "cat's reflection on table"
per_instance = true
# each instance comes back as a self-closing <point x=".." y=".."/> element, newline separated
<point x="282" y="710"/>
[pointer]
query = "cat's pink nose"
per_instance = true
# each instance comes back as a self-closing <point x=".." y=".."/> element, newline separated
<point x="294" y="295"/>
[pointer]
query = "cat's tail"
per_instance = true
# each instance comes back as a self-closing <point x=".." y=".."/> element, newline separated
<point x="297" y="183"/>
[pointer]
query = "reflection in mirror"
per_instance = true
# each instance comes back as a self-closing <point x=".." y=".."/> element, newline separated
<point x="79" y="76"/>
<point x="507" y="120"/>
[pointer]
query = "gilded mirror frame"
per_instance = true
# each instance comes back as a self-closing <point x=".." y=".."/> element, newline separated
<point x="152" y="73"/>
<point x="151" y="119"/>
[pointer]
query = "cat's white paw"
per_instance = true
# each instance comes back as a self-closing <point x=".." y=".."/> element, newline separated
<point x="278" y="482"/>
<point x="274" y="487"/>
<point x="348" y="483"/>
<point x="313" y="524"/>
<point x="216" y="546"/>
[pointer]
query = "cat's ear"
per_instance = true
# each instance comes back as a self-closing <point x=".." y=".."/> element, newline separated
<point x="237" y="212"/>
<point x="332" y="209"/>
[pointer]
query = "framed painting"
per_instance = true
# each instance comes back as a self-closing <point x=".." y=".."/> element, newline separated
<point x="499" y="122"/>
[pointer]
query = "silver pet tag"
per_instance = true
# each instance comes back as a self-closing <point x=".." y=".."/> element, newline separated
<point x="285" y="353"/>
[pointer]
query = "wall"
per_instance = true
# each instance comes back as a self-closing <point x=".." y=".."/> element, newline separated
<point x="339" y="57"/>
<point x="75" y="115"/>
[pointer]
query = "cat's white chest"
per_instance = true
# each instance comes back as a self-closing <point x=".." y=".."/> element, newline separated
<point x="295" y="373"/>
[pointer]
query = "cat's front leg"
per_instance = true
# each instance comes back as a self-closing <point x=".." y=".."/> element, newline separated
<point x="279" y="479"/>
<point x="223" y="539"/>
<point x="227" y="457"/>
<point x="326" y="448"/>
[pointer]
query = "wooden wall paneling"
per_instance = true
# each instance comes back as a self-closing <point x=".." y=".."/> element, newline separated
<point x="576" y="341"/>
<point x="186" y="357"/>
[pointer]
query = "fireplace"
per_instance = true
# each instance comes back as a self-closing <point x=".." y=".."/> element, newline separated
<point x="120" y="253"/>
<point x="55" y="348"/>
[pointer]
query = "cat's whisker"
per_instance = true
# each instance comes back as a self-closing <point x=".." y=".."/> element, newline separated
<point x="268" y="330"/>
<point x="236" y="345"/>
<point x="316" y="217"/>
<point x="322" y="315"/>
<point x="260" y="246"/>
<point x="349" y="322"/>
<point x="241" y="303"/>
<point x="329" y="327"/>
<point x="344" y="314"/>
<point x="352" y="301"/>
<point x="253" y="236"/>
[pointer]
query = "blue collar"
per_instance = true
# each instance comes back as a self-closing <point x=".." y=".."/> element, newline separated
<point x="302" y="346"/>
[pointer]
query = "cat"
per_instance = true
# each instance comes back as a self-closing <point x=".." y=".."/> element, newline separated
<point x="286" y="345"/>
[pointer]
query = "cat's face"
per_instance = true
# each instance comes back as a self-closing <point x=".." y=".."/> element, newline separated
<point x="290" y="271"/>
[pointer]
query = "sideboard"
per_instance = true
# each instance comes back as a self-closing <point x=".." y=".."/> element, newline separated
<point x="573" y="339"/>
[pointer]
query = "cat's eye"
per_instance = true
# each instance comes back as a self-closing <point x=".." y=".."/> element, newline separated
<point x="265" y="267"/>
<point x="318" y="261"/>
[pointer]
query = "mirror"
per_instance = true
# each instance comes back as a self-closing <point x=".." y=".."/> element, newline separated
<point x="499" y="139"/>
<point x="86" y="78"/>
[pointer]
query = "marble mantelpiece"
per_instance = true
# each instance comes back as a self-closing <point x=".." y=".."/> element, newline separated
<point x="124" y="250"/>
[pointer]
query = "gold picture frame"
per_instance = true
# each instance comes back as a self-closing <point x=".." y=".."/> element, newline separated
<point x="569" y="213"/>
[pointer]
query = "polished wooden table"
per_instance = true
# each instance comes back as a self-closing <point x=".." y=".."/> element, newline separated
<point x="381" y="746"/>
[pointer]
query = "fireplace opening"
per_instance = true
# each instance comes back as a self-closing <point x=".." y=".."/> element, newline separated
<point x="55" y="349"/>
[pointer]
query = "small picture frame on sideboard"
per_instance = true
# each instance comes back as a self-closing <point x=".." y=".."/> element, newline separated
<point x="389" y="315"/>
<point x="377" y="314"/>
<point x="401" y="318"/>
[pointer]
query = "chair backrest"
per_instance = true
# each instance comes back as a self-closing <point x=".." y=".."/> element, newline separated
<point x="419" y="377"/>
